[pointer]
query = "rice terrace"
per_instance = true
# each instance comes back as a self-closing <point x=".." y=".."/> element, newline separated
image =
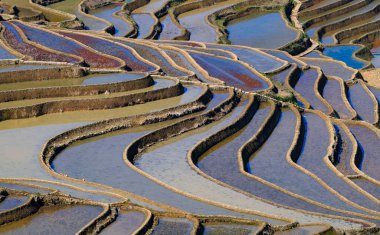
<point x="190" y="117"/>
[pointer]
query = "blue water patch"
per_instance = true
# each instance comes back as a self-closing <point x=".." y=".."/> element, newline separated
<point x="345" y="53"/>
<point x="112" y="78"/>
<point x="376" y="60"/>
<point x="6" y="55"/>
<point x="121" y="26"/>
<point x="261" y="31"/>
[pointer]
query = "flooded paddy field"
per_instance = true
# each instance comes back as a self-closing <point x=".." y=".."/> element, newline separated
<point x="242" y="78"/>
<point x="54" y="219"/>
<point x="362" y="102"/>
<point x="169" y="29"/>
<point x="333" y="92"/>
<point x="146" y="23"/>
<point x="253" y="30"/>
<point x="109" y="13"/>
<point x="12" y="202"/>
<point x="210" y="229"/>
<point x="260" y="61"/>
<point x="306" y="86"/>
<point x="72" y="7"/>
<point x="172" y="226"/>
<point x="196" y="21"/>
<point x="345" y="54"/>
<point x="226" y="117"/>
<point x="126" y="222"/>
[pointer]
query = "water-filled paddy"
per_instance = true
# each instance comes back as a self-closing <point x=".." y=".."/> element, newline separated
<point x="122" y="27"/>
<point x="54" y="220"/>
<point x="215" y="52"/>
<point x="182" y="61"/>
<point x="164" y="177"/>
<point x="304" y="230"/>
<point x="376" y="54"/>
<point x="195" y="21"/>
<point x="158" y="157"/>
<point x="282" y="76"/>
<point x="361" y="101"/>
<point x="316" y="143"/>
<point x="255" y="29"/>
<point x="369" y="141"/>
<point x="375" y="92"/>
<point x="15" y="40"/>
<point x="108" y="161"/>
<point x="126" y="222"/>
<point x="68" y="46"/>
<point x="152" y="6"/>
<point x="22" y="67"/>
<point x="145" y="22"/>
<point x="314" y="54"/>
<point x="5" y="54"/>
<point x="312" y="159"/>
<point x="231" y="72"/>
<point x="172" y="226"/>
<point x="260" y="61"/>
<point x="11" y="202"/>
<point x="34" y="145"/>
<point x="185" y="179"/>
<point x="26" y="188"/>
<point x="154" y="55"/>
<point x="376" y="60"/>
<point x="113" y="49"/>
<point x="92" y="79"/>
<point x="306" y="86"/>
<point x="368" y="186"/>
<point x="284" y="56"/>
<point x="159" y="84"/>
<point x="97" y="115"/>
<point x="169" y="29"/>
<point x="332" y="92"/>
<point x="331" y="68"/>
<point x="345" y="53"/>
<point x="112" y="78"/>
<point x="221" y="162"/>
<point x="225" y="229"/>
<point x="72" y="7"/>
<point x="344" y="152"/>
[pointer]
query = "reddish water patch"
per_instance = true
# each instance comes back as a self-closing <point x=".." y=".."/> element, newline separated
<point x="230" y="72"/>
<point x="112" y="49"/>
<point x="58" y="43"/>
<point x="14" y="39"/>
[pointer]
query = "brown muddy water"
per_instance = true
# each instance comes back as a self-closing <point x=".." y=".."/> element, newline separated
<point x="54" y="220"/>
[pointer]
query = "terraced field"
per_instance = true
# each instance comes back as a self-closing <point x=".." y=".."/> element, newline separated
<point x="189" y="117"/>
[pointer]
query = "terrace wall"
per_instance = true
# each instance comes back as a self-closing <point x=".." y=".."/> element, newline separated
<point x="90" y="104"/>
<point x="320" y="10"/>
<point x="48" y="92"/>
<point x="28" y="208"/>
<point x="178" y="128"/>
<point x="352" y="32"/>
<point x="42" y="74"/>
<point x="350" y="20"/>
<point x="330" y="16"/>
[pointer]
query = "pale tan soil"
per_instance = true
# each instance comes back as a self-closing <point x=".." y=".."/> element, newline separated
<point x="372" y="76"/>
